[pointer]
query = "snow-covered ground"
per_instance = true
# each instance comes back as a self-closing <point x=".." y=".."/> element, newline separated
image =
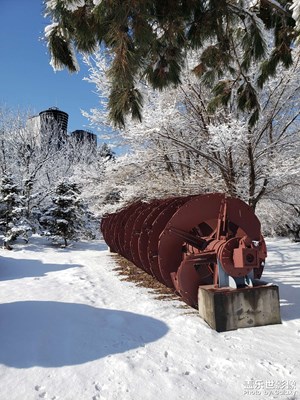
<point x="70" y="329"/>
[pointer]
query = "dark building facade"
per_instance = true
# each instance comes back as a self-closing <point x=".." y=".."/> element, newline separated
<point x="54" y="116"/>
<point x="53" y="126"/>
<point x="84" y="136"/>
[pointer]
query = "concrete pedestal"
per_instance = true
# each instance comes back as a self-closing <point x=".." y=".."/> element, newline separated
<point x="226" y="309"/>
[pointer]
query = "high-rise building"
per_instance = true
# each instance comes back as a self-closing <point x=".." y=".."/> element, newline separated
<point x="54" y="117"/>
<point x="53" y="126"/>
<point x="49" y="127"/>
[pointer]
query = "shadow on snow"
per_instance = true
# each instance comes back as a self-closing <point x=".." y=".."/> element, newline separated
<point x="41" y="243"/>
<point x="55" y="334"/>
<point x="283" y="270"/>
<point x="11" y="268"/>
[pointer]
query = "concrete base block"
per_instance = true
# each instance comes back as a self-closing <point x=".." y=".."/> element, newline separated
<point x="226" y="309"/>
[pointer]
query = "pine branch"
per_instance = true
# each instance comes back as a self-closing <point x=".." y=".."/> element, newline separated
<point x="60" y="52"/>
<point x="123" y="101"/>
<point x="150" y="38"/>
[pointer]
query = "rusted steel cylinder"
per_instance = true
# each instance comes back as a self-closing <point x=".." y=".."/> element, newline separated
<point x="189" y="241"/>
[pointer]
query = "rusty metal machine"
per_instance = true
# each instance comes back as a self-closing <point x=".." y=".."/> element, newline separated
<point x="186" y="242"/>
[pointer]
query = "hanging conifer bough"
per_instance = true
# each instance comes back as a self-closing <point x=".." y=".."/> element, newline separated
<point x="148" y="39"/>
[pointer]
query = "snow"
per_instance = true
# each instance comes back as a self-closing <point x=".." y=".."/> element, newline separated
<point x="71" y="329"/>
<point x="49" y="29"/>
<point x="295" y="7"/>
<point x="62" y="221"/>
<point x="72" y="5"/>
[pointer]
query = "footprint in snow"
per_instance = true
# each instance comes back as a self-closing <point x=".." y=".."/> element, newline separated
<point x="232" y="338"/>
<point x="275" y="368"/>
<point x="42" y="392"/>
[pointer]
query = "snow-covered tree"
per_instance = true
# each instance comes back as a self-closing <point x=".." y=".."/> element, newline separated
<point x="32" y="159"/>
<point x="91" y="177"/>
<point x="36" y="162"/>
<point x="182" y="147"/>
<point x="13" y="221"/>
<point x="63" y="220"/>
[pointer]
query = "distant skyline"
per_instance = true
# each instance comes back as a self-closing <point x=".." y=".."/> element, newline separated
<point x="27" y="81"/>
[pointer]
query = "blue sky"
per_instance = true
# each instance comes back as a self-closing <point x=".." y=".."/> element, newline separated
<point x="27" y="81"/>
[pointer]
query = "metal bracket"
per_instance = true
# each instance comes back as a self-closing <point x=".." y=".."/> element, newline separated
<point x="226" y="280"/>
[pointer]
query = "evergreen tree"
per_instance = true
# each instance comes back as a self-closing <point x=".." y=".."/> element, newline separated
<point x="149" y="39"/>
<point x="13" y="222"/>
<point x="64" y="218"/>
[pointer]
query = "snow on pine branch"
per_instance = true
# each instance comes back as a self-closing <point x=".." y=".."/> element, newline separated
<point x="70" y="5"/>
<point x="49" y="31"/>
<point x="295" y="7"/>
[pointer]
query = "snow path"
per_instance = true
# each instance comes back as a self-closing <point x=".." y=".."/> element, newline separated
<point x="70" y="329"/>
